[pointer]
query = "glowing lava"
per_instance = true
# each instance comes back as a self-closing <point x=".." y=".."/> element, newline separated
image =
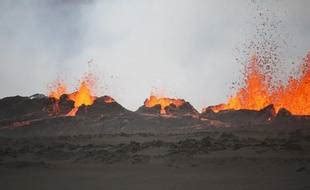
<point x="295" y="96"/>
<point x="57" y="89"/>
<point x="254" y="95"/>
<point x="257" y="94"/>
<point x="163" y="102"/>
<point x="84" y="95"/>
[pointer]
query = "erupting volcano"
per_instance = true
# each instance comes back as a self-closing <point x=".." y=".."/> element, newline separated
<point x="84" y="95"/>
<point x="257" y="92"/>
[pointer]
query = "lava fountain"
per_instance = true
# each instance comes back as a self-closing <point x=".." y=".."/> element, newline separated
<point x="56" y="89"/>
<point x="254" y="95"/>
<point x="84" y="95"/>
<point x="295" y="96"/>
<point x="257" y="92"/>
<point x="163" y="102"/>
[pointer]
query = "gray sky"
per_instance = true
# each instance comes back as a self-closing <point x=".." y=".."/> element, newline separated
<point x="188" y="48"/>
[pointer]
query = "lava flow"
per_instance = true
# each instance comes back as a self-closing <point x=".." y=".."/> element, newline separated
<point x="257" y="92"/>
<point x="163" y="102"/>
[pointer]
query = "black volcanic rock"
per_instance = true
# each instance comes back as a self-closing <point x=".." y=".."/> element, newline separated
<point x="184" y="109"/>
<point x="241" y="117"/>
<point x="149" y="110"/>
<point x="64" y="104"/>
<point x="283" y="113"/>
<point x="37" y="96"/>
<point x="102" y="106"/>
<point x="285" y="118"/>
<point x="17" y="108"/>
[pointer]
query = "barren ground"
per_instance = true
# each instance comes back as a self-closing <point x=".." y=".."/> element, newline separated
<point x="214" y="158"/>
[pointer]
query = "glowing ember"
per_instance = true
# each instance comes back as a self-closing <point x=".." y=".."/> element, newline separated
<point x="257" y="94"/>
<point x="163" y="102"/>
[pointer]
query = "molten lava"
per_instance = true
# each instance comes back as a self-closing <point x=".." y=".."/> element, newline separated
<point x="254" y="95"/>
<point x="295" y="96"/>
<point x="83" y="96"/>
<point x="257" y="94"/>
<point x="163" y="102"/>
<point x="57" y="89"/>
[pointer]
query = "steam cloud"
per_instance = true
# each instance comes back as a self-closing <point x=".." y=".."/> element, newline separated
<point x="184" y="47"/>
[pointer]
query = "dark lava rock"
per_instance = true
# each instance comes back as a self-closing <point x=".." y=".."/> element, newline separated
<point x="187" y="146"/>
<point x="301" y="169"/>
<point x="285" y="118"/>
<point x="185" y="109"/>
<point x="18" y="106"/>
<point x="18" y="109"/>
<point x="152" y="110"/>
<point x="284" y="113"/>
<point x="241" y="117"/>
<point x="292" y="147"/>
<point x="65" y="105"/>
<point x="103" y="106"/>
<point x="138" y="159"/>
<point x="26" y="164"/>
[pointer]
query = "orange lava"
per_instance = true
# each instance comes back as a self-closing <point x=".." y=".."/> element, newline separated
<point x="83" y="96"/>
<point x="73" y="112"/>
<point x="163" y="102"/>
<point x="257" y="94"/>
<point x="295" y="96"/>
<point x="254" y="95"/>
<point x="57" y="89"/>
